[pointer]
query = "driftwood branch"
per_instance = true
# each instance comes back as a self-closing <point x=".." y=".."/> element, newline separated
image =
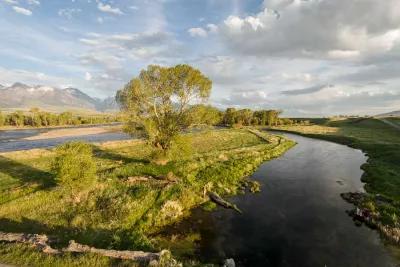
<point x="118" y="254"/>
<point x="214" y="197"/>
<point x="41" y="242"/>
<point x="37" y="241"/>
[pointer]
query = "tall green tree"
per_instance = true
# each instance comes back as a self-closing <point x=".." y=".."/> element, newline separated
<point x="230" y="116"/>
<point x="16" y="118"/>
<point x="157" y="102"/>
<point x="2" y="119"/>
<point x="204" y="114"/>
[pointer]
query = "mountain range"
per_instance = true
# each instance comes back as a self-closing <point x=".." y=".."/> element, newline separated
<point x="24" y="97"/>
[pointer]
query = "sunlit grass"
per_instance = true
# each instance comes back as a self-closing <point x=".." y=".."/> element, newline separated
<point x="114" y="212"/>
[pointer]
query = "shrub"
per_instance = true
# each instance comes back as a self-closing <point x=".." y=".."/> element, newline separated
<point x="180" y="149"/>
<point x="74" y="164"/>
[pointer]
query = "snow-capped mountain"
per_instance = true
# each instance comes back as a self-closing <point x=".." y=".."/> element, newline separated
<point x="22" y="96"/>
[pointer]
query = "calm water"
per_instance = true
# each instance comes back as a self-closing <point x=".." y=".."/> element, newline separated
<point x="298" y="219"/>
<point x="12" y="140"/>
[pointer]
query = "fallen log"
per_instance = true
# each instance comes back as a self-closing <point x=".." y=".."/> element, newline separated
<point x="41" y="242"/>
<point x="37" y="241"/>
<point x="139" y="256"/>
<point x="214" y="197"/>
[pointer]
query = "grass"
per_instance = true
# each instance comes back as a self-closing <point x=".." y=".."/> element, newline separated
<point x="394" y="120"/>
<point x="115" y="212"/>
<point x="381" y="143"/>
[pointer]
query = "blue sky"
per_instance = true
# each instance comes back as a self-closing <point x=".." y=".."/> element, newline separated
<point x="309" y="58"/>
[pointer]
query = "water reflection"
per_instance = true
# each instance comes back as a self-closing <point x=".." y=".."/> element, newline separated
<point x="298" y="219"/>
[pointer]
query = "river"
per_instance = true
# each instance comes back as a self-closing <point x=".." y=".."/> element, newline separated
<point x="298" y="218"/>
<point x="13" y="140"/>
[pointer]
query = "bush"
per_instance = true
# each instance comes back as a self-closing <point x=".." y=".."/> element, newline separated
<point x="74" y="164"/>
<point x="181" y="149"/>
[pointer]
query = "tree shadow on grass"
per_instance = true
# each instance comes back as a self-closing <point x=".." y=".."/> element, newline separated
<point x="61" y="235"/>
<point x="25" y="173"/>
<point x="105" y="154"/>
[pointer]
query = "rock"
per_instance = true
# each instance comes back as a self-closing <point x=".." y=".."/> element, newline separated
<point x="229" y="263"/>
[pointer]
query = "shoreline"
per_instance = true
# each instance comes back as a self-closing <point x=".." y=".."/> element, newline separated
<point x="72" y="132"/>
<point x="369" y="202"/>
<point x="21" y="128"/>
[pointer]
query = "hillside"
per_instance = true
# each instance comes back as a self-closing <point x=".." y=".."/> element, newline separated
<point x="22" y="96"/>
<point x="389" y="114"/>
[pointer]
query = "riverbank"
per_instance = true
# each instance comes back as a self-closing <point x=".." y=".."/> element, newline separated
<point x="132" y="197"/>
<point x="69" y="132"/>
<point x="16" y="128"/>
<point x="381" y="143"/>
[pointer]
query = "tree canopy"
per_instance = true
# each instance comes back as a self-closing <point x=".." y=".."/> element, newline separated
<point x="157" y="102"/>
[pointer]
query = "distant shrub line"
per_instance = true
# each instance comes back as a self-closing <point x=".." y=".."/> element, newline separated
<point x="37" y="118"/>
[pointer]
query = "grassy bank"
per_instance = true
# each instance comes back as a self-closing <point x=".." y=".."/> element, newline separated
<point x="381" y="142"/>
<point x="131" y="199"/>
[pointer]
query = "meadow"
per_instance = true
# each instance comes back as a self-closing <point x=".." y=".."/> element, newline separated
<point x="131" y="199"/>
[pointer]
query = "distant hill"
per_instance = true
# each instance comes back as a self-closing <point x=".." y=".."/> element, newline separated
<point x="22" y="96"/>
<point x="389" y="114"/>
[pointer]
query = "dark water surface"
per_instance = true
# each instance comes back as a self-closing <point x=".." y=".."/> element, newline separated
<point x="298" y="218"/>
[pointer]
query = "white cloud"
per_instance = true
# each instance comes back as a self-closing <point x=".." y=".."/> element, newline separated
<point x="134" y="7"/>
<point x="88" y="76"/>
<point x="343" y="54"/>
<point x="316" y="29"/>
<point x="33" y="2"/>
<point x="317" y="100"/>
<point x="197" y="32"/>
<point x="10" y="76"/>
<point x="203" y="32"/>
<point x="22" y="11"/>
<point x="11" y="2"/>
<point x="212" y="28"/>
<point x="109" y="9"/>
<point x="41" y="76"/>
<point x="69" y="13"/>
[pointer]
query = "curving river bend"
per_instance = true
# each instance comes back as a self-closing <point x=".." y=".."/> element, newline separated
<point x="298" y="218"/>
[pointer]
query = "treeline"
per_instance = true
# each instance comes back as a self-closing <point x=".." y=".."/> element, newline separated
<point x="38" y="118"/>
<point x="232" y="117"/>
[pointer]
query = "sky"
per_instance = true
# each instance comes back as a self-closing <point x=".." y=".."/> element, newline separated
<point x="306" y="57"/>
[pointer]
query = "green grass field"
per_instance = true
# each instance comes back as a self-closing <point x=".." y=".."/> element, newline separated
<point x="116" y="212"/>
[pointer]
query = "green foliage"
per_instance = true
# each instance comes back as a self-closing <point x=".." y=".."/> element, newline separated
<point x="202" y="114"/>
<point x="247" y="117"/>
<point x="2" y="119"/>
<point x="74" y="165"/>
<point x="24" y="255"/>
<point x="16" y="119"/>
<point x="181" y="148"/>
<point x="116" y="211"/>
<point x="157" y="101"/>
<point x="166" y="260"/>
